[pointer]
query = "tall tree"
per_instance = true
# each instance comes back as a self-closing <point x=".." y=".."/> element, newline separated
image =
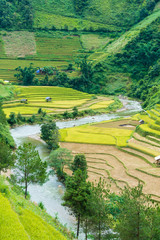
<point x="29" y="168"/>
<point x="133" y="220"/>
<point x="50" y="134"/>
<point x="59" y="158"/>
<point x="80" y="163"/>
<point x="25" y="75"/>
<point x="77" y="195"/>
<point x="6" y="156"/>
<point x="101" y="219"/>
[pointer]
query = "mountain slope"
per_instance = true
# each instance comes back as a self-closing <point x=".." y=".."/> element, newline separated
<point x="117" y="45"/>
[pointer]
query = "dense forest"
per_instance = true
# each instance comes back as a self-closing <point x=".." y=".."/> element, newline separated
<point x="15" y="14"/>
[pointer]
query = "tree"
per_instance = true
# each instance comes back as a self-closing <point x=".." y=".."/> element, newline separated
<point x="6" y="156"/>
<point x="50" y="134"/>
<point x="75" y="112"/>
<point x="12" y="119"/>
<point x="29" y="168"/>
<point x="59" y="158"/>
<point x="100" y="218"/>
<point x="77" y="195"/>
<point x="25" y="75"/>
<point x="133" y="218"/>
<point x="80" y="163"/>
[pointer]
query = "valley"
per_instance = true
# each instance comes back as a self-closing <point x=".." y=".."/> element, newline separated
<point x="79" y="104"/>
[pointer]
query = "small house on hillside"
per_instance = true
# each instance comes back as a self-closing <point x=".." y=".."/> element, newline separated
<point x="48" y="99"/>
<point x="23" y="100"/>
<point x="157" y="160"/>
<point x="141" y="121"/>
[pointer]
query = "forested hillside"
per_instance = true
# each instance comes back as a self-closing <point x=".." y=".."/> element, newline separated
<point x="22" y="14"/>
<point x="16" y="14"/>
<point x="119" y="38"/>
<point x="133" y="60"/>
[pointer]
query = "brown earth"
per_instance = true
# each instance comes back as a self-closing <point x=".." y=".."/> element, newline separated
<point x="120" y="167"/>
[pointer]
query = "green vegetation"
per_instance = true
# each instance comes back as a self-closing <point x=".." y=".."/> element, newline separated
<point x="6" y="92"/>
<point x="11" y="227"/>
<point x="29" y="168"/>
<point x="136" y="214"/>
<point x="4" y="130"/>
<point x="37" y="228"/>
<point x="96" y="135"/>
<point x="24" y="220"/>
<point x="16" y="14"/>
<point x="52" y="21"/>
<point x="131" y="63"/>
<point x="6" y="156"/>
<point x="58" y="159"/>
<point x="50" y="134"/>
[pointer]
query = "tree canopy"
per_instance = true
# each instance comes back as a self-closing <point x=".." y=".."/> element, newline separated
<point x="29" y="168"/>
<point x="50" y="134"/>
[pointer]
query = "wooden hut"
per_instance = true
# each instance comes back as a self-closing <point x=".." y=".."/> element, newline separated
<point x="157" y="160"/>
<point x="48" y="99"/>
<point x="23" y="100"/>
<point x="141" y="121"/>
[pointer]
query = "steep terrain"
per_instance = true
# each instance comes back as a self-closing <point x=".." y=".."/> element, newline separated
<point x="133" y="60"/>
<point x="21" y="219"/>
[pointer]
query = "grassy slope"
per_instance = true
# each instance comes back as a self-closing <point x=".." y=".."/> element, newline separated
<point x="60" y="7"/>
<point x="114" y="12"/>
<point x="23" y="220"/>
<point x="109" y="12"/>
<point x="119" y="44"/>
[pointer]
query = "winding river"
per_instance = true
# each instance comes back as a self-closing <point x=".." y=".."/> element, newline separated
<point x="52" y="191"/>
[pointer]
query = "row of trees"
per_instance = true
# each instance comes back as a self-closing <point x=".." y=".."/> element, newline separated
<point x="85" y="82"/>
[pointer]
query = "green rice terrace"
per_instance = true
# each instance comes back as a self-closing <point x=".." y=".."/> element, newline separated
<point x="121" y="151"/>
<point x="56" y="50"/>
<point x="70" y="61"/>
<point x="24" y="220"/>
<point x="62" y="99"/>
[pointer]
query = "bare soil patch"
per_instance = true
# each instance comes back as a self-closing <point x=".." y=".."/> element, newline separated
<point x="149" y="158"/>
<point x="19" y="44"/>
<point x="147" y="145"/>
<point x="139" y="137"/>
<point x="123" y="166"/>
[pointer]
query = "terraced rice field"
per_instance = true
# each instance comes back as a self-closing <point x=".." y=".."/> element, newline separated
<point x="62" y="98"/>
<point x="122" y="166"/>
<point x="50" y="20"/>
<point x="24" y="224"/>
<point x="101" y="105"/>
<point x="118" y="168"/>
<point x="22" y="48"/>
<point x="62" y="49"/>
<point x="96" y="135"/>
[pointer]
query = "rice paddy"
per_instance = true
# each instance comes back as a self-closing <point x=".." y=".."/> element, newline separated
<point x="102" y="105"/>
<point x="62" y="99"/>
<point x="22" y="48"/>
<point x="96" y="135"/>
<point x="119" y="152"/>
<point x="17" y="222"/>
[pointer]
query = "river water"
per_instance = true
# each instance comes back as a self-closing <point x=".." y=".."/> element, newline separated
<point x="52" y="191"/>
